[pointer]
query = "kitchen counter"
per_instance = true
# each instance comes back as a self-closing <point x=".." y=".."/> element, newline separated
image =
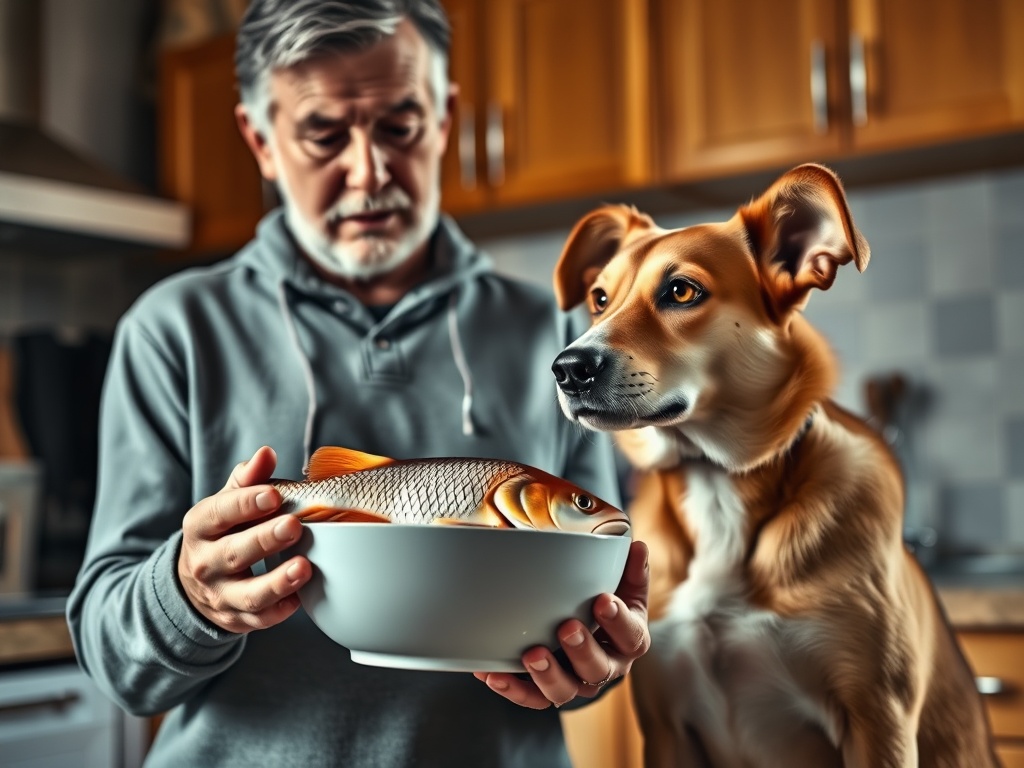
<point x="985" y="592"/>
<point x="33" y="629"/>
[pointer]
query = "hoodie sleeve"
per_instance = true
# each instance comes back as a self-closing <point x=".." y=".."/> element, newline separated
<point x="134" y="631"/>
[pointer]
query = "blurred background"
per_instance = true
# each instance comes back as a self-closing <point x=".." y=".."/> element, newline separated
<point x="120" y="163"/>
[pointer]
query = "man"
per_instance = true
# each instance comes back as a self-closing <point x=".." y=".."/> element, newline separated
<point x="358" y="317"/>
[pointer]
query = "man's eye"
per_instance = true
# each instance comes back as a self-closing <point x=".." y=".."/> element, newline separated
<point x="598" y="301"/>
<point x="399" y="134"/>
<point x="327" y="140"/>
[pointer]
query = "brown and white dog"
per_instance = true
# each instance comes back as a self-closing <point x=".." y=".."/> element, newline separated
<point x="790" y="625"/>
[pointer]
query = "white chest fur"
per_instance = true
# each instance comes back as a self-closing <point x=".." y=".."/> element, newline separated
<point x="739" y="674"/>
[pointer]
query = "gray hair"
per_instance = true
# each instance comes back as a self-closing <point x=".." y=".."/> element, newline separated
<point x="276" y="34"/>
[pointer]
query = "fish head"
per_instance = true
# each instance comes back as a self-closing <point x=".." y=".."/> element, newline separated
<point x="537" y="500"/>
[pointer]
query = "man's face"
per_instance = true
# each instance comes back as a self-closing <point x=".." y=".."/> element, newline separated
<point x="355" y="150"/>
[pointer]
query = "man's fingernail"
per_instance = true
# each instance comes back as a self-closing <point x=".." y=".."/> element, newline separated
<point x="293" y="572"/>
<point x="281" y="532"/>
<point x="610" y="611"/>
<point x="266" y="501"/>
<point x="576" y="638"/>
<point x="539" y="665"/>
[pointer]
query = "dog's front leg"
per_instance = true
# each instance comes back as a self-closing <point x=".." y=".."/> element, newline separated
<point x="887" y="738"/>
<point x="670" y="692"/>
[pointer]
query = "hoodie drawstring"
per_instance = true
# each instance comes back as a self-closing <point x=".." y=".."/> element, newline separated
<point x="307" y="372"/>
<point x="462" y="365"/>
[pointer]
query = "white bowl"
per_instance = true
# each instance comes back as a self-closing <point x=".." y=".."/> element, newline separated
<point x="452" y="598"/>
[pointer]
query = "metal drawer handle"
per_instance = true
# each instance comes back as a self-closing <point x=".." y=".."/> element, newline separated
<point x="858" y="80"/>
<point x="494" y="140"/>
<point x="57" y="701"/>
<point x="819" y="87"/>
<point x="991" y="686"/>
<point x="467" y="146"/>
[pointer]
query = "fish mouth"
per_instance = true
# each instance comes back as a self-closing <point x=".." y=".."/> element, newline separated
<point x="612" y="528"/>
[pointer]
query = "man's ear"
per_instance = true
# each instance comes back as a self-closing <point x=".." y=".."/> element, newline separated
<point x="448" y="118"/>
<point x="258" y="144"/>
<point x="801" y="232"/>
<point x="593" y="241"/>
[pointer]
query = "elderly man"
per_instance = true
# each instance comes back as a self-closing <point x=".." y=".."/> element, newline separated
<point x="358" y="316"/>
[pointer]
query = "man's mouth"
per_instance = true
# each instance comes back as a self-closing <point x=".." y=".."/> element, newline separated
<point x="370" y="217"/>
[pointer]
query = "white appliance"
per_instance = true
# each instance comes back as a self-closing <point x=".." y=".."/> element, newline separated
<point x="20" y="501"/>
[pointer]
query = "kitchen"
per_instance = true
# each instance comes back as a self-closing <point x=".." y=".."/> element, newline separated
<point x="945" y="317"/>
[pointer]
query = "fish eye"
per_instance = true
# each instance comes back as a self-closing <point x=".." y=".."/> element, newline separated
<point x="583" y="502"/>
<point x="598" y="301"/>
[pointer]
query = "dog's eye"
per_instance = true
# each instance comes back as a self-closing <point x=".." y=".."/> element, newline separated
<point x="598" y="301"/>
<point x="685" y="292"/>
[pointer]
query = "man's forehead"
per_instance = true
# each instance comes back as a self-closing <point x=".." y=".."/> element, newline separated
<point x="378" y="78"/>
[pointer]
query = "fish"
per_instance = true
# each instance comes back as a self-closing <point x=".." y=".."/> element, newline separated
<point x="345" y="485"/>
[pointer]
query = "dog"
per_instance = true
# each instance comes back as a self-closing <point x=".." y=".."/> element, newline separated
<point x="790" y="625"/>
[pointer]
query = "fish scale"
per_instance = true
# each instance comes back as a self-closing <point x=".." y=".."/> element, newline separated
<point x="406" y="492"/>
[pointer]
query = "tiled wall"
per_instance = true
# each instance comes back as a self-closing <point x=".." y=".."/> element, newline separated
<point x="942" y="302"/>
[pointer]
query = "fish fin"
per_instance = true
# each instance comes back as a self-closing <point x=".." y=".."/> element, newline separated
<point x="330" y="461"/>
<point x="504" y="501"/>
<point x="340" y="515"/>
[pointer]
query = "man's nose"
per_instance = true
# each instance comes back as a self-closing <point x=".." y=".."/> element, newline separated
<point x="365" y="164"/>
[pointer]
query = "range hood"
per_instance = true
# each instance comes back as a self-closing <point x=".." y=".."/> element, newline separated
<point x="51" y="197"/>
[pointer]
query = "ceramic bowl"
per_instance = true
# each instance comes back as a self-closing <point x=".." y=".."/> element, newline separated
<point x="448" y="597"/>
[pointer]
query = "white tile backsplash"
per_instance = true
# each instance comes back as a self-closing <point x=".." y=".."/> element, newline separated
<point x="1010" y="322"/>
<point x="897" y="334"/>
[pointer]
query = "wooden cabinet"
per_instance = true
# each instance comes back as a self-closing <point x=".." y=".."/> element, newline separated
<point x="553" y="100"/>
<point x="743" y="84"/>
<point x="563" y="99"/>
<point x="997" y="659"/>
<point x="204" y="161"/>
<point x="936" y="71"/>
<point x="756" y="84"/>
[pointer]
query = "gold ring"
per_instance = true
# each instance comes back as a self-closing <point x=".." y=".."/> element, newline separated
<point x="599" y="683"/>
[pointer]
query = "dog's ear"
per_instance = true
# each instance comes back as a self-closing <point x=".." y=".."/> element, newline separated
<point x="801" y="231"/>
<point x="593" y="241"/>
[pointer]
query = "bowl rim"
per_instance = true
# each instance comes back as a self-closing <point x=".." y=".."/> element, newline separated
<point x="432" y="526"/>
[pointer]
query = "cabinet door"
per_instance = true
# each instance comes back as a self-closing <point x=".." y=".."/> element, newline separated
<point x="748" y="83"/>
<point x="567" y="108"/>
<point x="998" y="658"/>
<point x="1012" y="755"/>
<point x="204" y="161"/>
<point x="936" y="70"/>
<point x="463" y="189"/>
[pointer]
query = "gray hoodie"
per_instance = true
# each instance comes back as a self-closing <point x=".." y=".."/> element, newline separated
<point x="214" y="362"/>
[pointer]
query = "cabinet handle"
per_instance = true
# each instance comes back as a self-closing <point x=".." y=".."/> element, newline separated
<point x="57" y="701"/>
<point x="819" y="87"/>
<point x="858" y="80"/>
<point x="495" y="141"/>
<point x="467" y="146"/>
<point x="991" y="686"/>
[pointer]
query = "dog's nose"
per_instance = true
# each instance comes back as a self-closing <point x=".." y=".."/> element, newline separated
<point x="576" y="369"/>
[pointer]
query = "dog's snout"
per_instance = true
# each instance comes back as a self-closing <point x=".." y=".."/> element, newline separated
<point x="576" y="369"/>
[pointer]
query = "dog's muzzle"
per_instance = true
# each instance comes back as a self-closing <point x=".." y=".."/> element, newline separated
<point x="577" y="370"/>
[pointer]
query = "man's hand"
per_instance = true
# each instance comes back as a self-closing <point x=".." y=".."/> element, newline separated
<point x="597" y="658"/>
<point x="225" y="535"/>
